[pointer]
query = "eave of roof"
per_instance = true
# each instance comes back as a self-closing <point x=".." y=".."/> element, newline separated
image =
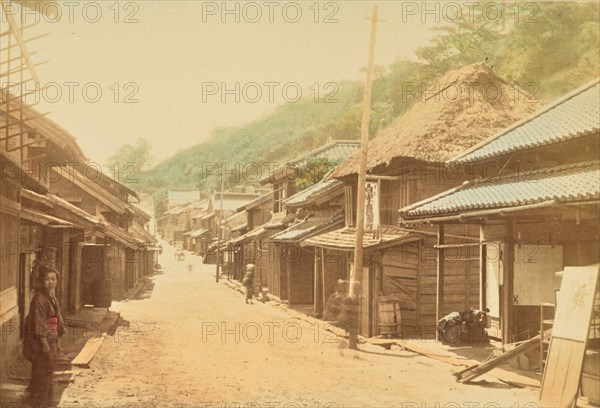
<point x="313" y="193"/>
<point x="344" y="238"/>
<point x="572" y="183"/>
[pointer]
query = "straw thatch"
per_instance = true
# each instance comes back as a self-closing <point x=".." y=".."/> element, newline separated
<point x="459" y="110"/>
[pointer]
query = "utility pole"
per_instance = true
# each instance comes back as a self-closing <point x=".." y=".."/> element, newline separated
<point x="356" y="272"/>
<point x="219" y="232"/>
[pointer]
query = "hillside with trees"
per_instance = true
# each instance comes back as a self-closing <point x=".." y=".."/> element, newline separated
<point x="549" y="50"/>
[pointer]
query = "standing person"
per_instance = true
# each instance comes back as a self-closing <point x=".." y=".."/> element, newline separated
<point x="348" y="317"/>
<point x="248" y="282"/>
<point x="334" y="303"/>
<point x="43" y="327"/>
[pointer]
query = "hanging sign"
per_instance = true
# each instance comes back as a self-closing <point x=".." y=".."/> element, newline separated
<point x="371" y="206"/>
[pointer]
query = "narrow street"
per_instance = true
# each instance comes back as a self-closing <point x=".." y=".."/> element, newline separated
<point x="194" y="343"/>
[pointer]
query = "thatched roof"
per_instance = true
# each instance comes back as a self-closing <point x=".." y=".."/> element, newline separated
<point x="460" y="109"/>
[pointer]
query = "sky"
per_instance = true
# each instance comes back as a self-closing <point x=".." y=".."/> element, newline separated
<point x="171" y="71"/>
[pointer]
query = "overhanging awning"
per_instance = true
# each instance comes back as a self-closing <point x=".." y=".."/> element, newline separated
<point x="200" y="233"/>
<point x="257" y="233"/>
<point x="45" y="219"/>
<point x="344" y="238"/>
<point x="306" y="229"/>
<point x="122" y="236"/>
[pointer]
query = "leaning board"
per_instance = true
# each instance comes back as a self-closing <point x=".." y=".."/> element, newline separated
<point x="560" y="382"/>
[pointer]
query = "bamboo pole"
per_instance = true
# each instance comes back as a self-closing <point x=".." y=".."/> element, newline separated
<point x="356" y="272"/>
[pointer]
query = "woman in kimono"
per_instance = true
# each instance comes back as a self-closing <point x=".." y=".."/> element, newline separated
<point x="248" y="282"/>
<point x="43" y="328"/>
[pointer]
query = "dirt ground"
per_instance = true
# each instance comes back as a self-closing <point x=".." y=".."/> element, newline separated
<point x="192" y="342"/>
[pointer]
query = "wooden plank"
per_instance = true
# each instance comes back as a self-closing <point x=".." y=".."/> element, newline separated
<point x="408" y="283"/>
<point x="475" y="371"/>
<point x="562" y="374"/>
<point x="406" y="255"/>
<point x="560" y="382"/>
<point x="88" y="352"/>
<point x="395" y="271"/>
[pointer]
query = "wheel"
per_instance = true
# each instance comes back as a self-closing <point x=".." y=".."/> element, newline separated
<point x="452" y="332"/>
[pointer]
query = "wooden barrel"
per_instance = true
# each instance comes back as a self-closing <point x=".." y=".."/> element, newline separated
<point x="389" y="317"/>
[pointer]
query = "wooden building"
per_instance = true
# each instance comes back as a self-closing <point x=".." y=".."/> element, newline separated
<point x="317" y="210"/>
<point x="273" y="262"/>
<point x="535" y="201"/>
<point x="166" y="208"/>
<point x="30" y="232"/>
<point x="405" y="165"/>
<point x="243" y="248"/>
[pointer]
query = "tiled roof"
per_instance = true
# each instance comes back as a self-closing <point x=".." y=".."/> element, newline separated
<point x="175" y="210"/>
<point x="307" y="228"/>
<point x="235" y="220"/>
<point x="257" y="201"/>
<point x="567" y="183"/>
<point x="183" y="196"/>
<point x="343" y="239"/>
<point x="574" y="115"/>
<point x="232" y="201"/>
<point x="332" y="150"/>
<point x="313" y="192"/>
<point x="277" y="221"/>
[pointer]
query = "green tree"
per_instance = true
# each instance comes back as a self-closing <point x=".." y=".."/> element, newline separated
<point x="314" y="171"/>
<point x="129" y="160"/>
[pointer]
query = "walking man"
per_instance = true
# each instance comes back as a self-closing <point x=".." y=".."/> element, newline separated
<point x="248" y="282"/>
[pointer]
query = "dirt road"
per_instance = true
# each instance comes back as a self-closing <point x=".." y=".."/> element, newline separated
<point x="194" y="343"/>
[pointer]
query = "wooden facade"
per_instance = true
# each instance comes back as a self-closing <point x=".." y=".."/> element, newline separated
<point x="54" y="210"/>
<point x="407" y="269"/>
<point x="537" y="211"/>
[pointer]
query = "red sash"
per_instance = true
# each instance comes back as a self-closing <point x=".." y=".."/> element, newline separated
<point x="53" y="324"/>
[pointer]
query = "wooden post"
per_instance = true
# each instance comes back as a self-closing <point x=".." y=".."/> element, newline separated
<point x="482" y="269"/>
<point x="508" y="267"/>
<point x="356" y="272"/>
<point x="440" y="278"/>
<point x="323" y="294"/>
<point x="219" y="232"/>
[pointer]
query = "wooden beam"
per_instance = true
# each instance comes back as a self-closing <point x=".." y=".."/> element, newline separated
<point x="471" y="244"/>
<point x="385" y="178"/>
